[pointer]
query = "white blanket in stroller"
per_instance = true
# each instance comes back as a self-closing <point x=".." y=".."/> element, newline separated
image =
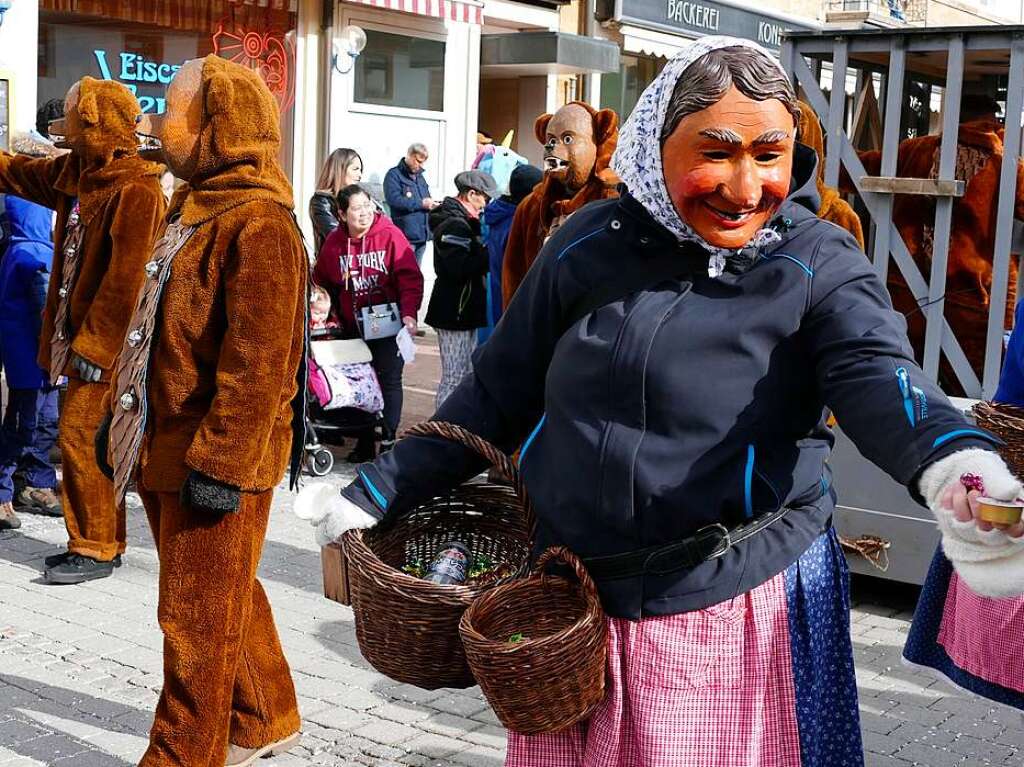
<point x="342" y="375"/>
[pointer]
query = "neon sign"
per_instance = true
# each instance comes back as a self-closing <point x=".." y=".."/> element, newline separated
<point x="134" y="71"/>
<point x="267" y="53"/>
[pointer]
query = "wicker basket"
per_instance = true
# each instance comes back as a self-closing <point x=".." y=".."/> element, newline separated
<point x="1007" y="423"/>
<point x="408" y="628"/>
<point x="554" y="676"/>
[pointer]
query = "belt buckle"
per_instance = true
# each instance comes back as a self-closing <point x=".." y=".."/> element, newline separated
<point x="720" y="549"/>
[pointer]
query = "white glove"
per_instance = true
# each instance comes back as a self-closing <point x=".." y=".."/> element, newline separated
<point x="324" y="507"/>
<point x="990" y="561"/>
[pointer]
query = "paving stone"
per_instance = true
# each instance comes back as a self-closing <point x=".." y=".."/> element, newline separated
<point x="80" y="669"/>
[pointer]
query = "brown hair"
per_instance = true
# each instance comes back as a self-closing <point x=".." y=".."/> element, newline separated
<point x="334" y="170"/>
<point x="706" y="81"/>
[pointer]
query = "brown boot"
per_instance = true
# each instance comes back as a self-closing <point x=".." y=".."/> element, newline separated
<point x="243" y="757"/>
<point x="8" y="519"/>
<point x="39" y="500"/>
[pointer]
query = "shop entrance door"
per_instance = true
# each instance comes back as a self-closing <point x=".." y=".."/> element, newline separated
<point x="382" y="140"/>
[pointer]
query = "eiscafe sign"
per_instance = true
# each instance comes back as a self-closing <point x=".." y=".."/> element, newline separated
<point x="704" y="17"/>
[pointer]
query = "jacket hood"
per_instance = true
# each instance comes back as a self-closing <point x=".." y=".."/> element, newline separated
<point x="239" y="140"/>
<point x="29" y="222"/>
<point x="498" y="211"/>
<point x="449" y="208"/>
<point x="803" y="188"/>
<point x="108" y="157"/>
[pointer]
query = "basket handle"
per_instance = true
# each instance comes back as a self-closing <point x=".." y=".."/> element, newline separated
<point x="564" y="555"/>
<point x="495" y="457"/>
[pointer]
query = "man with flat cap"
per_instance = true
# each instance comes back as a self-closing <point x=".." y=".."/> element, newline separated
<point x="458" y="304"/>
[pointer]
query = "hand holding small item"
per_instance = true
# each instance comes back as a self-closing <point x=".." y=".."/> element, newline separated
<point x="326" y="509"/>
<point x="987" y="553"/>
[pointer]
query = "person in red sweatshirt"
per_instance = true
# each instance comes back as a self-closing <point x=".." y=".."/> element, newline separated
<point x="367" y="261"/>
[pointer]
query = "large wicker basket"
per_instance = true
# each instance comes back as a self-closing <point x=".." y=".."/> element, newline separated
<point x="408" y="628"/>
<point x="1007" y="423"/>
<point x="551" y="674"/>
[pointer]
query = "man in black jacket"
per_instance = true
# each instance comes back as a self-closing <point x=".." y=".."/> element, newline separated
<point x="458" y="303"/>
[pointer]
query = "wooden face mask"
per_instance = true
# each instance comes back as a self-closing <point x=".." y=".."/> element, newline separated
<point x="728" y="167"/>
<point x="570" y="149"/>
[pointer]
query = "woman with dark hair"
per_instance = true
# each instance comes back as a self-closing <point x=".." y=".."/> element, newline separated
<point x="368" y="261"/>
<point x="665" y="368"/>
<point x="342" y="168"/>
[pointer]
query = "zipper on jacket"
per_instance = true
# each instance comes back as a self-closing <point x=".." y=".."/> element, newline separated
<point x="748" y="484"/>
<point x="686" y="288"/>
<point x="903" y="379"/>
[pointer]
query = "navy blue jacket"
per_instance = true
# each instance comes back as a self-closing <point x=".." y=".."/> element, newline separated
<point x="692" y="402"/>
<point x="405" y="193"/>
<point x="24" y="275"/>
<point x="498" y="217"/>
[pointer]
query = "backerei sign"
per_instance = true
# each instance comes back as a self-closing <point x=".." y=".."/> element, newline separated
<point x="703" y="17"/>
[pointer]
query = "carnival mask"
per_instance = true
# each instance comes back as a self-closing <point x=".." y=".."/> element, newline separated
<point x="728" y="167"/>
<point x="570" y="150"/>
<point x="66" y="131"/>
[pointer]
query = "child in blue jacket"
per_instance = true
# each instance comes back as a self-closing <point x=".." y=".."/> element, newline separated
<point x="29" y="427"/>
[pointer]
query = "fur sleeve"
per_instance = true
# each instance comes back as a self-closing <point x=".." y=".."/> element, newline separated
<point x="140" y="207"/>
<point x="31" y="178"/>
<point x="264" y="288"/>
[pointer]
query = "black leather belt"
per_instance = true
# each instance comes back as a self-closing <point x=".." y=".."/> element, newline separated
<point x="706" y="544"/>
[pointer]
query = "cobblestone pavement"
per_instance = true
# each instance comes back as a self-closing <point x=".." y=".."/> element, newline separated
<point x="80" y="670"/>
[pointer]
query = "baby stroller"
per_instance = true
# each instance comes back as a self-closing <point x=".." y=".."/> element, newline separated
<point x="343" y="395"/>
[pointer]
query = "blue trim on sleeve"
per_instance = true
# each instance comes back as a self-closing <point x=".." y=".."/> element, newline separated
<point x="942" y="440"/>
<point x="573" y="244"/>
<point x="531" y="438"/>
<point x="748" y="483"/>
<point x="797" y="261"/>
<point x="378" y="497"/>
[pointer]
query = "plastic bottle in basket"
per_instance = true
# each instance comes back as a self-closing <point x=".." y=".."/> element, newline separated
<point x="451" y="565"/>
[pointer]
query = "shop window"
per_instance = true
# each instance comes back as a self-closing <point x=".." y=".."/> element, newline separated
<point x="143" y="43"/>
<point x="400" y="71"/>
<point x="621" y="90"/>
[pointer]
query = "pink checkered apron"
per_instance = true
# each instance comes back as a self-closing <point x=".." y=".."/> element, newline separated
<point x="984" y="636"/>
<point x="710" y="688"/>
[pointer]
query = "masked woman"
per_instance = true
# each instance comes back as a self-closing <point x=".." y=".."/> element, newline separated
<point x="673" y="354"/>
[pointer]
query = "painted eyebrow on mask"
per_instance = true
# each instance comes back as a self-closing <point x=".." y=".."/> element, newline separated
<point x="771" y="137"/>
<point x="725" y="135"/>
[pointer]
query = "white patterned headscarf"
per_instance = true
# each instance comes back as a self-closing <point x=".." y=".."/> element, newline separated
<point x="637" y="158"/>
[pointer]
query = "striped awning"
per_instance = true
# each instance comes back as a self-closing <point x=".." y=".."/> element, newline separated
<point x="278" y="5"/>
<point x="469" y="11"/>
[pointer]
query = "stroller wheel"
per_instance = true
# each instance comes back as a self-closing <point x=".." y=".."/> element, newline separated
<point x="320" y="462"/>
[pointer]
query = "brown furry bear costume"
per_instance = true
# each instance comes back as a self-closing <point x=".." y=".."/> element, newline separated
<point x="97" y="271"/>
<point x="201" y="415"/>
<point x="972" y="239"/>
<point x="555" y="199"/>
<point x="833" y="207"/>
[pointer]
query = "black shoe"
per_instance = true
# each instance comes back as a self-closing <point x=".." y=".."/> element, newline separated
<point x="55" y="559"/>
<point x="78" y="569"/>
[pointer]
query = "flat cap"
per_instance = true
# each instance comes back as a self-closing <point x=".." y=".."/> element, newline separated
<point x="478" y="181"/>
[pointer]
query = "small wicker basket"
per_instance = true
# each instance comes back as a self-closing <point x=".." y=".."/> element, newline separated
<point x="1007" y="423"/>
<point x="553" y="676"/>
<point x="408" y="628"/>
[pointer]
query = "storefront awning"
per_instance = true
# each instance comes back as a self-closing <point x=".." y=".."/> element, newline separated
<point x="649" y="42"/>
<point x="469" y="11"/>
<point x="525" y="54"/>
<point x="278" y="5"/>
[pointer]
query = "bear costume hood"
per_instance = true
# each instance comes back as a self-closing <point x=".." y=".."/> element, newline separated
<point x="239" y="140"/>
<point x="108" y="155"/>
<point x="833" y="207"/>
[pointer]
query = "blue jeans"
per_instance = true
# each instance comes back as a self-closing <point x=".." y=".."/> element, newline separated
<point x="28" y="432"/>
<point x="417" y="250"/>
